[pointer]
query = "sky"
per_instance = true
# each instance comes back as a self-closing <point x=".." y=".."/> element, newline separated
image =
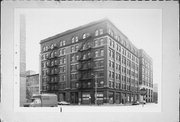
<point x="143" y="27"/>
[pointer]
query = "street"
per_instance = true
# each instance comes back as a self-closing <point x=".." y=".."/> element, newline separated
<point x="148" y="107"/>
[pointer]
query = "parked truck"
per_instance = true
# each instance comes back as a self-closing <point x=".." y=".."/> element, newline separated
<point x="42" y="100"/>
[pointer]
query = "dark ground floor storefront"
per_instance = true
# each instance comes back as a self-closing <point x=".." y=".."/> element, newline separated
<point x="102" y="96"/>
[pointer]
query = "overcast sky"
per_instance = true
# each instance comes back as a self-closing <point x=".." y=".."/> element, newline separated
<point x="143" y="27"/>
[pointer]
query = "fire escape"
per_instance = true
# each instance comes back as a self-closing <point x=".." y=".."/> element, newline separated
<point x="85" y="64"/>
<point x="52" y="70"/>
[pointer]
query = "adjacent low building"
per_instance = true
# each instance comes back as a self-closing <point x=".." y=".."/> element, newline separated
<point x="94" y="63"/>
<point x="155" y="93"/>
<point x="32" y="85"/>
<point x="146" y="74"/>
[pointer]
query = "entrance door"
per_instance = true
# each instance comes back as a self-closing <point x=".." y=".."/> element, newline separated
<point x="74" y="97"/>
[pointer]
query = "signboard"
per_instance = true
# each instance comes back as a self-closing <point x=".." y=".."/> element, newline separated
<point x="143" y="91"/>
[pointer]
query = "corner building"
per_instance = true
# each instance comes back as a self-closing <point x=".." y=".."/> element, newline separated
<point x="91" y="63"/>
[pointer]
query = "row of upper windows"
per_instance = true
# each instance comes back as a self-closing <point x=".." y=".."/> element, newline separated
<point x="97" y="53"/>
<point x="112" y="75"/>
<point x="97" y="42"/>
<point x="129" y="64"/>
<point x="53" y="71"/>
<point x="53" y="54"/>
<point x="61" y="60"/>
<point x="96" y="64"/>
<point x="73" y="40"/>
<point x="122" y="41"/>
<point x="118" y="55"/>
<point x="121" y="86"/>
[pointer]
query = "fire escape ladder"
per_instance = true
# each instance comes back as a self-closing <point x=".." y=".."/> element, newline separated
<point x="85" y="63"/>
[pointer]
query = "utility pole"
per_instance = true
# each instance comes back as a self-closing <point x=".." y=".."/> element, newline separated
<point x="95" y="90"/>
<point x="95" y="87"/>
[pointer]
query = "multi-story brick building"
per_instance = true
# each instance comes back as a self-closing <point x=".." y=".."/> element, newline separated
<point x="96" y="58"/>
<point x="146" y="74"/>
<point x="32" y="85"/>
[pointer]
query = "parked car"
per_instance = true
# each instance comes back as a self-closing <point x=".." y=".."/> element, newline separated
<point x="143" y="102"/>
<point x="63" y="103"/>
<point x="135" y="103"/>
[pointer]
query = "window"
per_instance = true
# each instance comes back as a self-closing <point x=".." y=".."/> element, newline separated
<point x="77" y="57"/>
<point x="101" y="41"/>
<point x="73" y="40"/>
<point x="96" y="33"/>
<point x="112" y="64"/>
<point x="62" y="51"/>
<point x="64" y="60"/>
<point x="112" y="74"/>
<point x="96" y="63"/>
<point x="84" y="36"/>
<point x="52" y="46"/>
<point x="64" y="42"/>
<point x="73" y="58"/>
<point x="74" y="76"/>
<point x="44" y="49"/>
<point x="109" y="74"/>
<point x="100" y="31"/>
<point x="109" y="63"/>
<point x="117" y="47"/>
<point x="72" y="49"/>
<point x="111" y="43"/>
<point x="96" y="43"/>
<point x="117" y="66"/>
<point x="109" y="52"/>
<point x="101" y="63"/>
<point x="84" y="56"/>
<point x="102" y="52"/>
<point x="63" y="77"/>
<point x="52" y="63"/>
<point x="76" y="48"/>
<point x="76" y="39"/>
<point x="123" y="60"/>
<point x="96" y="53"/>
<point x="60" y="43"/>
<point x="47" y="48"/>
<point x="112" y="54"/>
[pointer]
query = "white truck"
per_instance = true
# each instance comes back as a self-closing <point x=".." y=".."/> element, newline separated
<point x="43" y="100"/>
